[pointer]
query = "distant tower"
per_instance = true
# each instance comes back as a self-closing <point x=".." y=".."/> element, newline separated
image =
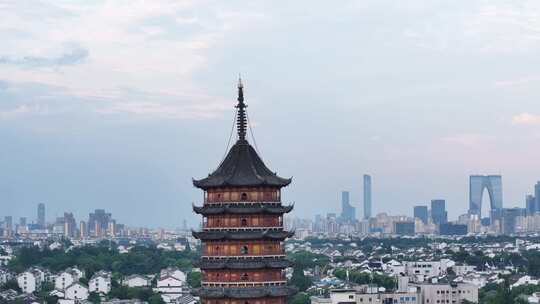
<point x="41" y="215"/>
<point x="83" y="230"/>
<point x="438" y="211"/>
<point x="348" y="212"/>
<point x="421" y="212"/>
<point x="8" y="226"/>
<point x="367" y="196"/>
<point x="477" y="184"/>
<point x="537" y="196"/>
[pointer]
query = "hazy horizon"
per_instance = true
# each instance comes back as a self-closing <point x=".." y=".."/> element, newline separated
<point x="118" y="105"/>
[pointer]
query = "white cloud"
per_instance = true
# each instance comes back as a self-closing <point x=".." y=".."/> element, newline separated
<point x="469" y="140"/>
<point x="526" y="119"/>
<point x="95" y="50"/>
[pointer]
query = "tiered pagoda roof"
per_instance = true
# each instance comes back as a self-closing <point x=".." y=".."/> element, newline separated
<point x="256" y="208"/>
<point x="242" y="167"/>
<point x="242" y="235"/>
<point x="245" y="293"/>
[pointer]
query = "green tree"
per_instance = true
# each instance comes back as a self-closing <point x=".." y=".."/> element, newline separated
<point x="300" y="298"/>
<point x="156" y="299"/>
<point x="194" y="279"/>
<point x="299" y="279"/>
<point x="94" y="297"/>
<point x="11" y="284"/>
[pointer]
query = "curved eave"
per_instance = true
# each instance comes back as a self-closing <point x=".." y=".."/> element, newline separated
<point x="245" y="293"/>
<point x="209" y="183"/>
<point x="210" y="210"/>
<point x="241" y="235"/>
<point x="244" y="264"/>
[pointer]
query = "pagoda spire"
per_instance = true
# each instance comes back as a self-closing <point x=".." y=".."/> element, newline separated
<point x="241" y="121"/>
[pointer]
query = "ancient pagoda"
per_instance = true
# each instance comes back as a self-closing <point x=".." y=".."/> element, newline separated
<point x="243" y="255"/>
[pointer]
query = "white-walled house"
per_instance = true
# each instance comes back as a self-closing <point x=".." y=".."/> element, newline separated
<point x="29" y="281"/>
<point x="173" y="272"/>
<point x="100" y="282"/>
<point x="76" y="291"/>
<point x="137" y="280"/>
<point x="170" y="285"/>
<point x="66" y="278"/>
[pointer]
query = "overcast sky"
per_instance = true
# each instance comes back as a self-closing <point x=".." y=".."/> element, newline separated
<point x="118" y="104"/>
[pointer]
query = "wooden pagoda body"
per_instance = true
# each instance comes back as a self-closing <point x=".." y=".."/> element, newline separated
<point x="243" y="256"/>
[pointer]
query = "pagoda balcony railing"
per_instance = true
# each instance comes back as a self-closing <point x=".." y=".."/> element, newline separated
<point x="242" y="257"/>
<point x="243" y="284"/>
<point x="243" y="203"/>
<point x="243" y="228"/>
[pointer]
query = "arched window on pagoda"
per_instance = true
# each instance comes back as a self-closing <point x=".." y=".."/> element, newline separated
<point x="243" y="222"/>
<point x="244" y="197"/>
<point x="244" y="250"/>
<point x="244" y="277"/>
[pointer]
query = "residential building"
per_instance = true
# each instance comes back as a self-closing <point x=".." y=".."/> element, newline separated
<point x="452" y="229"/>
<point x="136" y="280"/>
<point x="448" y="293"/>
<point x="29" y="281"/>
<point x="76" y="291"/>
<point x="404" y="228"/>
<point x="67" y="278"/>
<point x="100" y="282"/>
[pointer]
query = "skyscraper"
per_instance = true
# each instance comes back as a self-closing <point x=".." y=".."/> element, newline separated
<point x="98" y="222"/>
<point x="348" y="212"/>
<point x="367" y="196"/>
<point x="422" y="213"/>
<point x="537" y="196"/>
<point x="530" y="204"/>
<point x="41" y="215"/>
<point x="438" y="211"/>
<point x="8" y="226"/>
<point x="477" y="184"/>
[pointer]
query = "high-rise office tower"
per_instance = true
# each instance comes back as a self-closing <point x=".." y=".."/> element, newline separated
<point x="530" y="204"/>
<point x="8" y="226"/>
<point x="70" y="225"/>
<point x="438" y="211"/>
<point x="422" y="213"/>
<point x="477" y="184"/>
<point x="41" y="215"/>
<point x="98" y="222"/>
<point x="367" y="196"/>
<point x="348" y="212"/>
<point x="22" y="221"/>
<point x="83" y="230"/>
<point x="537" y="196"/>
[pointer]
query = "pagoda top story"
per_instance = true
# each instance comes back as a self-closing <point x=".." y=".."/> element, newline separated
<point x="242" y="167"/>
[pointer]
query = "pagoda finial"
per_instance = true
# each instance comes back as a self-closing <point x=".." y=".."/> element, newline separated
<point x="241" y="121"/>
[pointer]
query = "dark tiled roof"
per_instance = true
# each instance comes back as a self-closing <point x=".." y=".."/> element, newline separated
<point x="242" y="209"/>
<point x="257" y="263"/>
<point x="242" y="167"/>
<point x="245" y="293"/>
<point x="241" y="235"/>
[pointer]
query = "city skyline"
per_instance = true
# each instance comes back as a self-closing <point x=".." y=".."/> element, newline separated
<point x="89" y="123"/>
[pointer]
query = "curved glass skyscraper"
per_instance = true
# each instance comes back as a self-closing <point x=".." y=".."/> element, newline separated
<point x="477" y="184"/>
